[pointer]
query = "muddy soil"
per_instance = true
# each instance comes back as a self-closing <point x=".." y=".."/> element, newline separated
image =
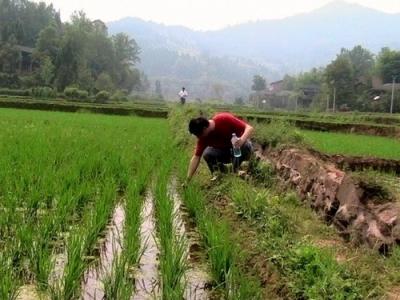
<point x="196" y="276"/>
<point x="92" y="288"/>
<point x="147" y="281"/>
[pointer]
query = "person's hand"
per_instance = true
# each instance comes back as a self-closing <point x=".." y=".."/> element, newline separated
<point x="239" y="143"/>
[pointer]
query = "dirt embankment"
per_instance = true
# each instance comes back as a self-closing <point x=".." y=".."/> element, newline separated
<point x="77" y="107"/>
<point x="339" y="198"/>
<point x="358" y="163"/>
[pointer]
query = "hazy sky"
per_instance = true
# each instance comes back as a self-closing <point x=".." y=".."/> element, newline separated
<point x="202" y="14"/>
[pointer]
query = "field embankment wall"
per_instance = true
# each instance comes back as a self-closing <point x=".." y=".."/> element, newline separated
<point x="339" y="198"/>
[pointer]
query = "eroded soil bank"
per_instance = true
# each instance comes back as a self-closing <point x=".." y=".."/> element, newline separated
<point x="356" y="163"/>
<point x="338" y="197"/>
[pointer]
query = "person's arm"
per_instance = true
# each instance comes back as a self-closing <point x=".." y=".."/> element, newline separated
<point x="245" y="136"/>
<point x="193" y="165"/>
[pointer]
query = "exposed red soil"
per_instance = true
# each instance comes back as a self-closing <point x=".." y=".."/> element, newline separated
<point x="341" y="199"/>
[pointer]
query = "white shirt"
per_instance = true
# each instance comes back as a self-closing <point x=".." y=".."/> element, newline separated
<point x="183" y="94"/>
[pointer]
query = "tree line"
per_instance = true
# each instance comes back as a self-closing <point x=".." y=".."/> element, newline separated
<point x="77" y="56"/>
<point x="356" y="80"/>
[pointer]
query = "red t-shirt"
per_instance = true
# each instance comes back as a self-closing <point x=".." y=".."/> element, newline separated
<point x="220" y="137"/>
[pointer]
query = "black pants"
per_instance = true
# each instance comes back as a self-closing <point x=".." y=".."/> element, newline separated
<point x="183" y="100"/>
<point x="216" y="158"/>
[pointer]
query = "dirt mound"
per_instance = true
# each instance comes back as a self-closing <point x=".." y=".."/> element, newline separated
<point x="341" y="199"/>
<point x="356" y="163"/>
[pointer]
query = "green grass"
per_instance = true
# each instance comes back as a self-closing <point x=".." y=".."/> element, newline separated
<point x="353" y="144"/>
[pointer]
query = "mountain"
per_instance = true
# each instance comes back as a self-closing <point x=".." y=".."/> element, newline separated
<point x="231" y="56"/>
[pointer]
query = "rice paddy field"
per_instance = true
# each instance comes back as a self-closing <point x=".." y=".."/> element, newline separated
<point x="353" y="144"/>
<point x="91" y="207"/>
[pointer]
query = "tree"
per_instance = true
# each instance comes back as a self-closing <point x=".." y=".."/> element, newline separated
<point x="388" y="64"/>
<point x="9" y="56"/>
<point x="46" y="71"/>
<point x="362" y="61"/>
<point x="104" y="83"/>
<point x="259" y="83"/>
<point x="339" y="75"/>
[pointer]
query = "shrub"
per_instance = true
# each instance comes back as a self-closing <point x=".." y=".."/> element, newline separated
<point x="276" y="133"/>
<point x="119" y="95"/>
<point x="9" y="80"/>
<point x="13" y="92"/>
<point x="44" y="92"/>
<point x="83" y="95"/>
<point x="102" y="96"/>
<point x="71" y="93"/>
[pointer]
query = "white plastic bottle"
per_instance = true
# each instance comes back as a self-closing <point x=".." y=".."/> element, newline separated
<point x="236" y="150"/>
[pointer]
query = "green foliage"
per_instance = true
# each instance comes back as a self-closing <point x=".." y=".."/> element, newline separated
<point x="43" y="92"/>
<point x="119" y="95"/>
<point x="9" y="81"/>
<point x="353" y="144"/>
<point x="102" y="96"/>
<point x="12" y="92"/>
<point x="104" y="83"/>
<point x="71" y="93"/>
<point x="259" y="83"/>
<point x="388" y="63"/>
<point x="315" y="274"/>
<point x="278" y="132"/>
<point x="339" y="75"/>
<point x="74" y="93"/>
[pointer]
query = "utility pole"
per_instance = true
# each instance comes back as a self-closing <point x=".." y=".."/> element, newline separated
<point x="334" y="99"/>
<point x="392" y="100"/>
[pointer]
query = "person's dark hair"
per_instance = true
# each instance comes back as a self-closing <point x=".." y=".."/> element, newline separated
<point x="197" y="125"/>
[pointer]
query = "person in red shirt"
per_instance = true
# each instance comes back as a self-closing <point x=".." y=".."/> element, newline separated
<point x="214" y="142"/>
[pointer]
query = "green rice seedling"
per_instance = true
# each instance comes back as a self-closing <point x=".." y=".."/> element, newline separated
<point x="220" y="250"/>
<point x="353" y="144"/>
<point x="99" y="218"/>
<point x="237" y="288"/>
<point x="133" y="207"/>
<point x="117" y="284"/>
<point x="8" y="280"/>
<point x="173" y="247"/>
<point x="73" y="271"/>
<point x="40" y="258"/>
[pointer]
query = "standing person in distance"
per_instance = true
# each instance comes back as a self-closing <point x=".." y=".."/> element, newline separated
<point x="215" y="140"/>
<point x="183" y="95"/>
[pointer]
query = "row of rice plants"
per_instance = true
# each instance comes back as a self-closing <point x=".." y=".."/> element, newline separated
<point x="353" y="144"/>
<point x="222" y="252"/>
<point x="41" y="196"/>
<point x="119" y="282"/>
<point x="55" y="167"/>
<point x="173" y="258"/>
